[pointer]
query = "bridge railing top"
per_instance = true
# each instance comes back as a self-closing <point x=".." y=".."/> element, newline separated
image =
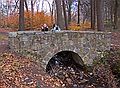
<point x="13" y="34"/>
<point x="21" y="32"/>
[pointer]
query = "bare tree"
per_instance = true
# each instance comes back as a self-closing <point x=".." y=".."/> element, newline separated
<point x="115" y="14"/>
<point x="21" y="16"/>
<point x="16" y="6"/>
<point x="78" y="21"/>
<point x="85" y="9"/>
<point x="69" y="10"/>
<point x="100" y="14"/>
<point x="26" y="6"/>
<point x="59" y="14"/>
<point x="93" y="14"/>
<point x="65" y="15"/>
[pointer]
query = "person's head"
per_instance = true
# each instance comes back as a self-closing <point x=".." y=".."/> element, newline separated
<point x="45" y="25"/>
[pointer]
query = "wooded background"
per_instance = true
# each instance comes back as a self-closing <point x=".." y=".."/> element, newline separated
<point x="100" y="15"/>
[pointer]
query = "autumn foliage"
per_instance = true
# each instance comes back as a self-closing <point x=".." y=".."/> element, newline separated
<point x="34" y="21"/>
<point x="80" y="27"/>
<point x="37" y="20"/>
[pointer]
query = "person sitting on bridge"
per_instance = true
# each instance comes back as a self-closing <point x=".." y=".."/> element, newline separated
<point x="45" y="27"/>
<point x="55" y="28"/>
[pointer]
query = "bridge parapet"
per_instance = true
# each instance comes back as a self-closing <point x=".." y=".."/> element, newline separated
<point x="42" y="46"/>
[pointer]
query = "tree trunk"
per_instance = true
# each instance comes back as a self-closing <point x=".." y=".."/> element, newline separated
<point x="26" y="5"/>
<point x="78" y="21"/>
<point x="60" y="22"/>
<point x="69" y="11"/>
<point x="52" y="21"/>
<point x="115" y="14"/>
<point x="93" y="14"/>
<point x="100" y="14"/>
<point x="65" y="17"/>
<point x="32" y="14"/>
<point x="21" y="16"/>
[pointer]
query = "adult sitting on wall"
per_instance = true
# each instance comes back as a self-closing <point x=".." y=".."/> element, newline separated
<point x="45" y="27"/>
<point x="55" y="28"/>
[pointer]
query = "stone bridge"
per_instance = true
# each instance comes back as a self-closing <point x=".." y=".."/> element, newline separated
<point x="84" y="46"/>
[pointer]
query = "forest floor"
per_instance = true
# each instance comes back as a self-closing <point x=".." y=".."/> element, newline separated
<point x="21" y="72"/>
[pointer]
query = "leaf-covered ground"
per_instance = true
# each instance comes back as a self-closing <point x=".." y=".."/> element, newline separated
<point x="115" y="40"/>
<point x="21" y="72"/>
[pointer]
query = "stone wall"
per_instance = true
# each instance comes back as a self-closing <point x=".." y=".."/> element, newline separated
<point x="42" y="46"/>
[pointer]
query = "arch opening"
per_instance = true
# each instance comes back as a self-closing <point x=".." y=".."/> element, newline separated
<point x="66" y="59"/>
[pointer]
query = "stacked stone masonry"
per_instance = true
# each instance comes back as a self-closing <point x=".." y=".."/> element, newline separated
<point x="42" y="46"/>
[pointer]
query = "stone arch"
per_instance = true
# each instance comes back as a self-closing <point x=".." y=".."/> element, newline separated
<point x="72" y="55"/>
